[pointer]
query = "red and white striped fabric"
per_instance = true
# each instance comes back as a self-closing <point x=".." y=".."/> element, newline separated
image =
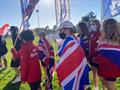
<point x="4" y="29"/>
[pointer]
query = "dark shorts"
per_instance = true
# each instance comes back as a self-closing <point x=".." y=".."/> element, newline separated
<point x="15" y="63"/>
<point x="35" y="85"/>
<point x="110" y="79"/>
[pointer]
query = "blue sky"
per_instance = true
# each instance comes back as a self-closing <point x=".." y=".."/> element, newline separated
<point x="10" y="12"/>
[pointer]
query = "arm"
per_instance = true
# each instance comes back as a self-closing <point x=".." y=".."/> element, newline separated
<point x="15" y="53"/>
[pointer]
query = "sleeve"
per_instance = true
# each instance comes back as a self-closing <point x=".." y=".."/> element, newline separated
<point x="41" y="55"/>
<point x="15" y="53"/>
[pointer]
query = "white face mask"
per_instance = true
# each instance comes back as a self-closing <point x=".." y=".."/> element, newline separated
<point x="93" y="28"/>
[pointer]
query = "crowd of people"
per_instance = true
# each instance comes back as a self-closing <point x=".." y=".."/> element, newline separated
<point x="99" y="42"/>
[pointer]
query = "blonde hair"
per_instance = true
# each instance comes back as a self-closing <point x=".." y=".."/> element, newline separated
<point x="111" y="30"/>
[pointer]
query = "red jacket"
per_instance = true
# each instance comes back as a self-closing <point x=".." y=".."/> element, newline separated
<point x="93" y="45"/>
<point x="29" y="64"/>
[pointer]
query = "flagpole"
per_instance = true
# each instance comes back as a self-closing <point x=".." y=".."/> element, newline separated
<point x="55" y="1"/>
<point x="101" y="10"/>
<point x="22" y="10"/>
<point x="38" y="19"/>
<point x="22" y="23"/>
<point x="69" y="9"/>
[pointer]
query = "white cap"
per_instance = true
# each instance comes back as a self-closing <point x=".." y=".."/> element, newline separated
<point x="66" y="24"/>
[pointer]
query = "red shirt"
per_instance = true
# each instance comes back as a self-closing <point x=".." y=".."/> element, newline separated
<point x="29" y="63"/>
<point x="93" y="45"/>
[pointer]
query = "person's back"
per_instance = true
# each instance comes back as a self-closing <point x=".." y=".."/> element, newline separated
<point x="29" y="63"/>
<point x="30" y="60"/>
<point x="109" y="53"/>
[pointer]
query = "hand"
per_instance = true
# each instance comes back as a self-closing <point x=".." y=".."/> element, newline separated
<point x="13" y="48"/>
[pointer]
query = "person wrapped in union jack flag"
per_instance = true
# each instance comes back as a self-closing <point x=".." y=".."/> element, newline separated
<point x="84" y="38"/>
<point x="109" y="53"/>
<point x="47" y="59"/>
<point x="72" y="66"/>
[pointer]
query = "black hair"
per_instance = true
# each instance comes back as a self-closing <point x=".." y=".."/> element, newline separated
<point x="27" y="35"/>
<point x="74" y="29"/>
<point x="83" y="26"/>
<point x="13" y="29"/>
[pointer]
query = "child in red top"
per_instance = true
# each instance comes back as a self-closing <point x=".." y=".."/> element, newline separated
<point x="29" y="63"/>
<point x="95" y="30"/>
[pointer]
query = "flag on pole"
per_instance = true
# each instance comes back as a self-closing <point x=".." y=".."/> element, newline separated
<point x="48" y="56"/>
<point x="4" y="29"/>
<point x="72" y="66"/>
<point x="62" y="9"/>
<point x="27" y="7"/>
<point x="110" y="8"/>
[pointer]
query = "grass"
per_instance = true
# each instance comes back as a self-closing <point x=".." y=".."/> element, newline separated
<point x="5" y="83"/>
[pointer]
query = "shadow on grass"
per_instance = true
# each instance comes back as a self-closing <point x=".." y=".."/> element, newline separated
<point x="10" y="86"/>
<point x="1" y="70"/>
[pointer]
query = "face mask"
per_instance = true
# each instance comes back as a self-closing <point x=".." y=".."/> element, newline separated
<point x="62" y="35"/>
<point x="93" y="28"/>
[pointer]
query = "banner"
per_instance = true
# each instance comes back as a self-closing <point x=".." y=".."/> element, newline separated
<point x="4" y="29"/>
<point x="62" y="9"/>
<point x="110" y="8"/>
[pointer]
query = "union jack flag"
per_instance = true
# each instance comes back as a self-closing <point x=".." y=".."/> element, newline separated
<point x="111" y="52"/>
<point x="72" y="65"/>
<point x="27" y="10"/>
<point x="48" y="56"/>
<point x="109" y="58"/>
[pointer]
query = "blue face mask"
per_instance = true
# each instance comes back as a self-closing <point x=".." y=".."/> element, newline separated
<point x="62" y="35"/>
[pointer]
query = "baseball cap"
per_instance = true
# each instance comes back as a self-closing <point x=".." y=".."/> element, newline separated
<point x="66" y="24"/>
